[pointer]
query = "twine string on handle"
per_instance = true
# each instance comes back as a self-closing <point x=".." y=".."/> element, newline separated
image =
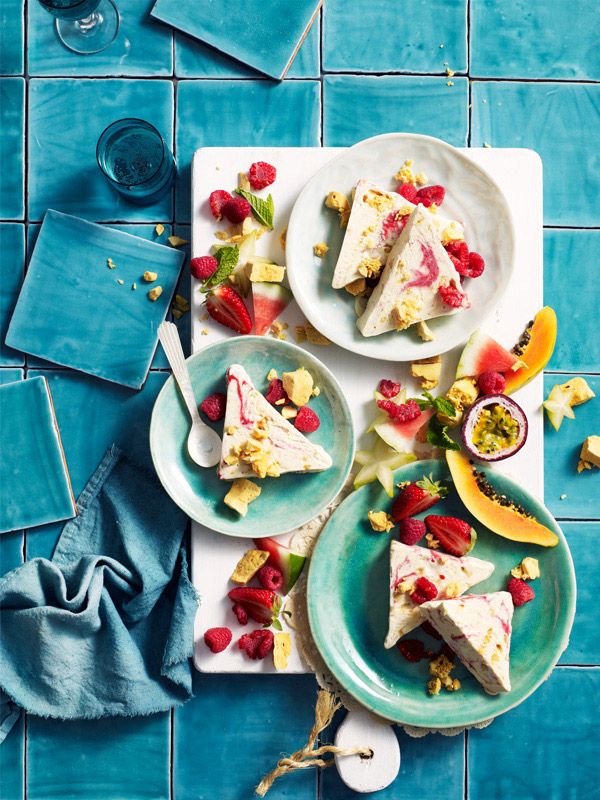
<point x="309" y="755"/>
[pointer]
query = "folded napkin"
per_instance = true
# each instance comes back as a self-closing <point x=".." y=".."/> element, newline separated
<point x="106" y="627"/>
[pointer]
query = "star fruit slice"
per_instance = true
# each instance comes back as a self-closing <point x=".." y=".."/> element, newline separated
<point x="558" y="406"/>
<point x="379" y="464"/>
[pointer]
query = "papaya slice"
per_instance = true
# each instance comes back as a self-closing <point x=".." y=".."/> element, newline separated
<point x="496" y="512"/>
<point x="535" y="347"/>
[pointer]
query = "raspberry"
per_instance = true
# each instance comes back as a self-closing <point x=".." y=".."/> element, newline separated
<point x="520" y="591"/>
<point x="388" y="388"/>
<point x="276" y="392"/>
<point x="413" y="650"/>
<point x="214" y="406"/>
<point x="400" y="412"/>
<point x="241" y="613"/>
<point x="411" y="531"/>
<point x="452" y="295"/>
<point x="237" y="209"/>
<point x="428" y="628"/>
<point x="476" y="265"/>
<point x="270" y="578"/>
<point x="217" y="201"/>
<point x="408" y="191"/>
<point x="261" y="175"/>
<point x="431" y="194"/>
<point x="306" y="420"/>
<point x="491" y="383"/>
<point x="424" y="590"/>
<point x="256" y="644"/>
<point x="458" y="252"/>
<point x="203" y="267"/>
<point x="217" y="639"/>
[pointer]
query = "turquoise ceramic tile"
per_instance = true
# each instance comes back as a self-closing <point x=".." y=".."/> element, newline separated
<point x="356" y="107"/>
<point x="73" y="310"/>
<point x="34" y="482"/>
<point x="12" y="124"/>
<point x="93" y="759"/>
<point x="196" y="60"/>
<point x="561" y="454"/>
<point x="555" y="120"/>
<point x="11" y="763"/>
<point x="417" y="778"/>
<point x="571" y="258"/>
<point x="244" y="114"/>
<point x="11" y="544"/>
<point x="379" y="36"/>
<point x="92" y="416"/>
<point x="257" y="34"/>
<point x="11" y="37"/>
<point x="12" y="263"/>
<point x="233" y="732"/>
<point x="584" y="644"/>
<point x="142" y="47"/>
<point x="546" y="748"/>
<point x="80" y="109"/>
<point x="521" y="39"/>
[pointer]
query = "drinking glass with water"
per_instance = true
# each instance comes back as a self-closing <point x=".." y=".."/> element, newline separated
<point x="136" y="160"/>
<point x="84" y="26"/>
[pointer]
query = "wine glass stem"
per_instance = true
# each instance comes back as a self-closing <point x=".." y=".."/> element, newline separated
<point x="86" y="24"/>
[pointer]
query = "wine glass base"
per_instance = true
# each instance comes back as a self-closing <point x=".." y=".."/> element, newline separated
<point x="93" y="34"/>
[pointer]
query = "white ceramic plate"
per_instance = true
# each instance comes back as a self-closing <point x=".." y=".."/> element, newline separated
<point x="472" y="197"/>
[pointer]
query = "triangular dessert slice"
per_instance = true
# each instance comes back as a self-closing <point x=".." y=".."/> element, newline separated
<point x="478" y="629"/>
<point x="375" y="222"/>
<point x="257" y="440"/>
<point x="450" y="575"/>
<point x="408" y="290"/>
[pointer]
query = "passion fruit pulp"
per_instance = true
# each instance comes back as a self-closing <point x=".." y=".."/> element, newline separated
<point x="495" y="428"/>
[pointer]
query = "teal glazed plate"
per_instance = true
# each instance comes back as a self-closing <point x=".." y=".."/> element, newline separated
<point x="348" y="585"/>
<point x="286" y="502"/>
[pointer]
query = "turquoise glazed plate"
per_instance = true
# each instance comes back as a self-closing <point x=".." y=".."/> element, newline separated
<point x="348" y="585"/>
<point x="286" y="502"/>
<point x="472" y="197"/>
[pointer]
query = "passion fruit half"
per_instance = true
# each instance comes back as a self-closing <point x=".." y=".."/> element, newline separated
<point x="495" y="428"/>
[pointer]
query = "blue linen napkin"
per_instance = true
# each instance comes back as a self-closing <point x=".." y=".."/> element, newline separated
<point x="106" y="627"/>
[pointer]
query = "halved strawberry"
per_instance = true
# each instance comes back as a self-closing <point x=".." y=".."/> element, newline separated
<point x="262" y="605"/>
<point x="226" y="306"/>
<point x="417" y="497"/>
<point x="455" y="535"/>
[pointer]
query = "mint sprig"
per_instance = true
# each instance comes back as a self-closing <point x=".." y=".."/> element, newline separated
<point x="227" y="258"/>
<point x="437" y="435"/>
<point x="441" y="405"/>
<point x="263" y="210"/>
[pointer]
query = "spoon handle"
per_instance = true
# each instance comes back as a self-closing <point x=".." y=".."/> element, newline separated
<point x="169" y="338"/>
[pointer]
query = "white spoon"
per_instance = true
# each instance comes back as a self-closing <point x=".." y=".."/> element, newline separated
<point x="204" y="445"/>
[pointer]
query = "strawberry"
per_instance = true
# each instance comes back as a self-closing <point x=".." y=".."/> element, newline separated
<point x="226" y="306"/>
<point x="455" y="535"/>
<point x="417" y="497"/>
<point x="262" y="605"/>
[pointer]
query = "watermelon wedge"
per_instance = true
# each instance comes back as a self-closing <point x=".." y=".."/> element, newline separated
<point x="484" y="354"/>
<point x="268" y="301"/>
<point x="398" y="434"/>
<point x="288" y="563"/>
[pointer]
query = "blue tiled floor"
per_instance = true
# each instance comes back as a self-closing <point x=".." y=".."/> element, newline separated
<point x="220" y="743"/>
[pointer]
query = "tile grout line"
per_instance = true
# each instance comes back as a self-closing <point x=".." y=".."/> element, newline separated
<point x="26" y="364"/>
<point x="466" y="766"/>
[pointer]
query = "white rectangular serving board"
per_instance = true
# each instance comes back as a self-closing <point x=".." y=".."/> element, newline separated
<point x="518" y="172"/>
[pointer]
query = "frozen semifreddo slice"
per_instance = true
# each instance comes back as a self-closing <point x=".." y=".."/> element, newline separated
<point x="375" y="222"/>
<point x="450" y="575"/>
<point x="408" y="290"/>
<point x="478" y="629"/>
<point x="257" y="440"/>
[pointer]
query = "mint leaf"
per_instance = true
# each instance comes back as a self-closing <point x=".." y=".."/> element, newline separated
<point x="437" y="435"/>
<point x="227" y="258"/>
<point x="444" y="406"/>
<point x="263" y="210"/>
